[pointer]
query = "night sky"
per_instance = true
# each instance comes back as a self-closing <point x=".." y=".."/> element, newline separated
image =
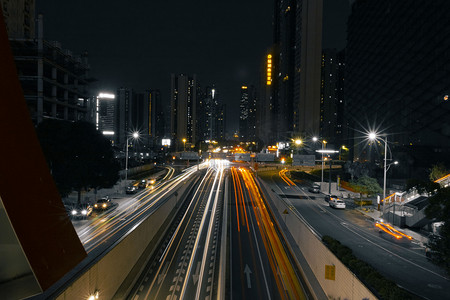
<point x="137" y="44"/>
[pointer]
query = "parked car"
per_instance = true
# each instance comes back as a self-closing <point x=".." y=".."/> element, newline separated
<point x="80" y="211"/>
<point x="336" y="203"/>
<point x="314" y="189"/>
<point x="132" y="189"/>
<point x="328" y="198"/>
<point x="103" y="203"/>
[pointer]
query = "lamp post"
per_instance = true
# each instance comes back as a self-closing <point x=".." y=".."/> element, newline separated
<point x="328" y="151"/>
<point x="323" y="142"/>
<point x="373" y="137"/>
<point x="184" y="145"/>
<point x="135" y="136"/>
<point x="342" y="148"/>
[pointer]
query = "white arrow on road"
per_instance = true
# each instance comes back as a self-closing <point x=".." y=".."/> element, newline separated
<point x="195" y="276"/>
<point x="248" y="272"/>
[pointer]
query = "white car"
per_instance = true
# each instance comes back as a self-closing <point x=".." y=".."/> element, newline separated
<point x="336" y="203"/>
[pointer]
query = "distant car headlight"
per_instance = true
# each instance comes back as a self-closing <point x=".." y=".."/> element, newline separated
<point x="95" y="205"/>
<point x="104" y="205"/>
<point x="84" y="212"/>
<point x="74" y="212"/>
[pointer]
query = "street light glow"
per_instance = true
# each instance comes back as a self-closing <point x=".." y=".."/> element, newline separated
<point x="298" y="141"/>
<point x="315" y="139"/>
<point x="135" y="134"/>
<point x="372" y="135"/>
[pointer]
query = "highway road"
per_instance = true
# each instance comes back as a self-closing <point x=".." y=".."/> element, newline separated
<point x="103" y="229"/>
<point x="186" y="266"/>
<point x="223" y="245"/>
<point x="261" y="266"/>
<point x="403" y="261"/>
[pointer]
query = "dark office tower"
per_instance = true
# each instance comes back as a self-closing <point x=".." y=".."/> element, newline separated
<point x="265" y="113"/>
<point x="220" y="124"/>
<point x="140" y="118"/>
<point x="203" y="114"/>
<point x="332" y="98"/>
<point x="156" y="117"/>
<point x="247" y="115"/>
<point x="397" y="72"/>
<point x="124" y="126"/>
<point x="183" y="92"/>
<point x="283" y="67"/>
<point x="19" y="18"/>
<point x="297" y="57"/>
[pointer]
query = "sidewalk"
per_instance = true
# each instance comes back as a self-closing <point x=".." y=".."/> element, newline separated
<point x="372" y="212"/>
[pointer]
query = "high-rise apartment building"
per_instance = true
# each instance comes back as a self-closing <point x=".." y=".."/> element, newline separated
<point x="105" y="120"/>
<point x="296" y="67"/>
<point x="140" y="112"/>
<point x="156" y="114"/>
<point x="220" y="122"/>
<point x="183" y="93"/>
<point x="397" y="70"/>
<point x="332" y="125"/>
<point x="247" y="114"/>
<point x="212" y="112"/>
<point x="205" y="113"/>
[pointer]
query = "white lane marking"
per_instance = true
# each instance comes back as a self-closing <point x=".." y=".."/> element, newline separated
<point x="195" y="276"/>
<point x="162" y="274"/>
<point x="247" y="272"/>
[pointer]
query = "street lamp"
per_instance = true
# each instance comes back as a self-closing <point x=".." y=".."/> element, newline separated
<point x="323" y="142"/>
<point x="135" y="136"/>
<point x="328" y="151"/>
<point x="342" y="148"/>
<point x="373" y="136"/>
<point x="184" y="144"/>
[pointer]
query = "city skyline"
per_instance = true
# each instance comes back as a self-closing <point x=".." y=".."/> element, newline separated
<point x="154" y="40"/>
<point x="335" y="157"/>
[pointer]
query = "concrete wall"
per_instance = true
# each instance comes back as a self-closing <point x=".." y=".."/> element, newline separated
<point x="346" y="285"/>
<point x="107" y="275"/>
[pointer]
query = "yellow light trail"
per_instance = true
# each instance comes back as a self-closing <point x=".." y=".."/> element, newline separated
<point x="392" y="231"/>
<point x="119" y="221"/>
<point x="233" y="171"/>
<point x="286" y="179"/>
<point x="278" y="259"/>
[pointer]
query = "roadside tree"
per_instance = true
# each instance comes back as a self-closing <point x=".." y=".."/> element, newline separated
<point x="438" y="210"/>
<point x="78" y="155"/>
